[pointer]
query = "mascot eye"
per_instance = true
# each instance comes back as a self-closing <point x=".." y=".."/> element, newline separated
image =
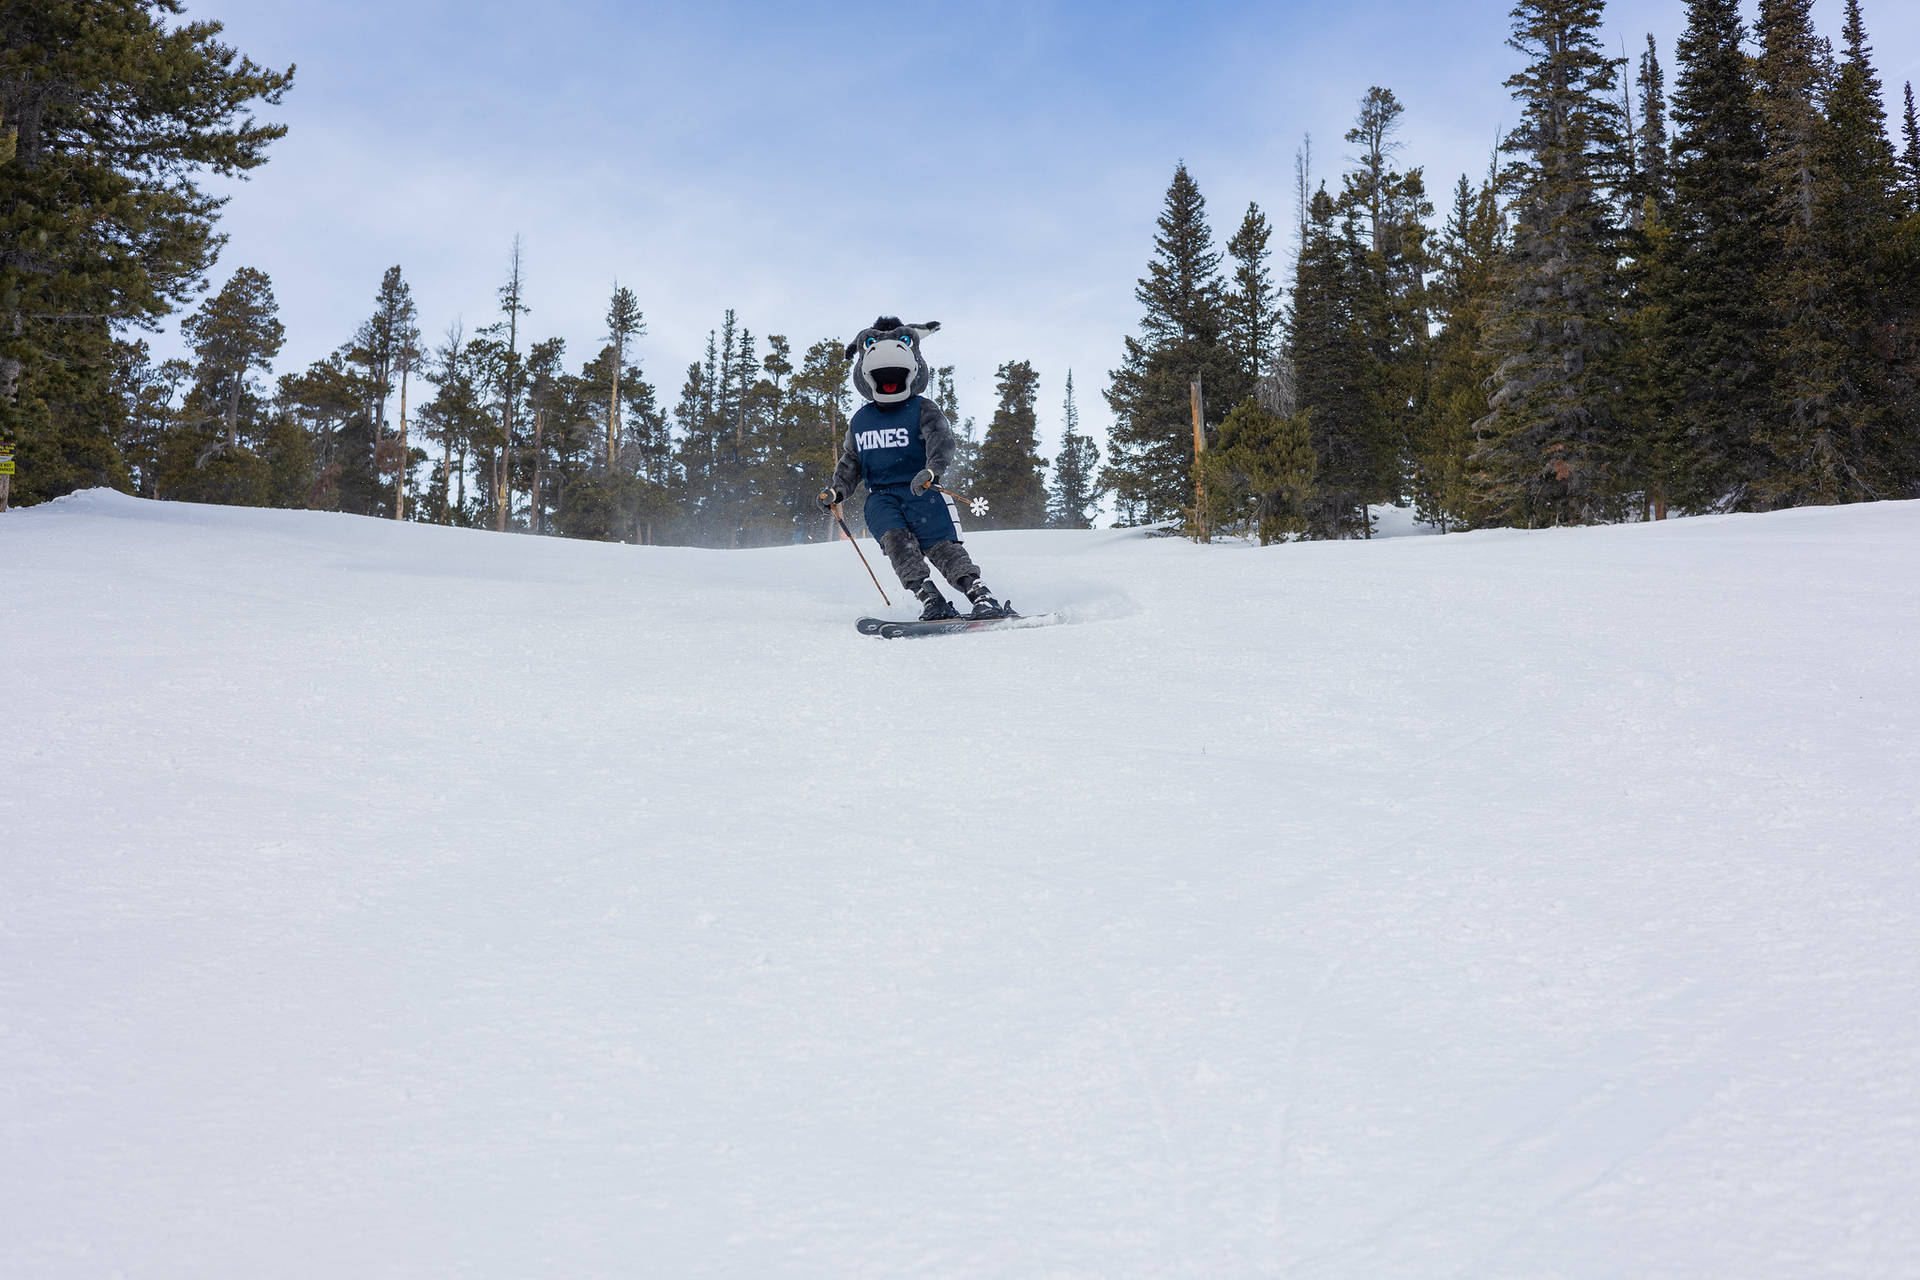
<point x="871" y="341"/>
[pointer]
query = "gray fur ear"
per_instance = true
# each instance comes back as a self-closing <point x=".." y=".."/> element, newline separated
<point x="924" y="331"/>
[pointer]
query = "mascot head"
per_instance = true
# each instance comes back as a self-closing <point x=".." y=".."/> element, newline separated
<point x="887" y="365"/>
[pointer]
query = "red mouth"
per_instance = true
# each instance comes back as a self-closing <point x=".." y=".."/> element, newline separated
<point x="889" y="388"/>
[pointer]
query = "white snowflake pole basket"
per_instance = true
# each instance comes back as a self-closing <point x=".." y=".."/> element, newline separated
<point x="975" y="506"/>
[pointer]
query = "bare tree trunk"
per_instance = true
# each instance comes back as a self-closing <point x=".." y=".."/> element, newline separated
<point x="233" y="414"/>
<point x="400" y="481"/>
<point x="1302" y="177"/>
<point x="506" y="402"/>
<point x="538" y="517"/>
<point x="502" y="470"/>
<point x="613" y="404"/>
<point x="1196" y="401"/>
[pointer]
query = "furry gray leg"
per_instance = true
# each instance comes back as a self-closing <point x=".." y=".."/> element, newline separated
<point x="954" y="564"/>
<point x="903" y="553"/>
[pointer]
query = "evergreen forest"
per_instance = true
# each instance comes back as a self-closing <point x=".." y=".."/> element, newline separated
<point x="1686" y="281"/>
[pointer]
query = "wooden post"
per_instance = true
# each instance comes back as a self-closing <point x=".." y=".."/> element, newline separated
<point x="1196" y="397"/>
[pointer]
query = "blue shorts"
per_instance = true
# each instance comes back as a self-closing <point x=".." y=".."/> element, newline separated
<point x="930" y="517"/>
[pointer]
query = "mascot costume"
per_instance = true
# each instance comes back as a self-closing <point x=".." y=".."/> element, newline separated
<point x="900" y="444"/>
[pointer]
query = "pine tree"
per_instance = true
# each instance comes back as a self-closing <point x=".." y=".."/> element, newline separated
<point x="1648" y="441"/>
<point x="1791" y="87"/>
<point x="819" y="395"/>
<point x="643" y="457"/>
<point x="1470" y="250"/>
<point x="696" y="413"/>
<point x="1182" y="338"/>
<point x="455" y="418"/>
<point x="1792" y="84"/>
<point x="328" y="403"/>
<point x="233" y="333"/>
<point x="1910" y="154"/>
<point x="502" y="365"/>
<point x="406" y="361"/>
<point x="790" y="460"/>
<point x="290" y="463"/>
<point x="1333" y="373"/>
<point x="1009" y="475"/>
<point x="572" y="420"/>
<point x="1860" y="449"/>
<point x="966" y="434"/>
<point x="388" y="344"/>
<point x="624" y="324"/>
<point x="645" y="432"/>
<point x="1653" y="177"/>
<point x="615" y="499"/>
<point x="546" y="395"/>
<point x="1252" y="301"/>
<point x="693" y="462"/>
<point x="381" y="339"/>
<point x="1719" y="329"/>
<point x="1545" y="443"/>
<point x="1262" y="470"/>
<point x="148" y="391"/>
<point x="116" y="119"/>
<point x="731" y="480"/>
<point x="1074" y="493"/>
<point x="1391" y="262"/>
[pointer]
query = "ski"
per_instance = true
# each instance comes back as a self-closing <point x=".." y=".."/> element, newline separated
<point x="890" y="630"/>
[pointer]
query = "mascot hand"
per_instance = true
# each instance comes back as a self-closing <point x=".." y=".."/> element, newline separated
<point x="923" y="482"/>
<point x="830" y="498"/>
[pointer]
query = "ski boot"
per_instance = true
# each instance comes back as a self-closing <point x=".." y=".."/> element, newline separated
<point x="984" y="605"/>
<point x="936" y="607"/>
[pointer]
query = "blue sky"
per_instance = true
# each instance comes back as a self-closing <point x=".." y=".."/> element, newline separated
<point x="997" y="166"/>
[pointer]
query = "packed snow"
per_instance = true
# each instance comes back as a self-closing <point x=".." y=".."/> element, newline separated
<point x="388" y="900"/>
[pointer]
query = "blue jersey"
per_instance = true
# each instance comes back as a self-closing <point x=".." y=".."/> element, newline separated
<point x="888" y="440"/>
<point x="887" y="446"/>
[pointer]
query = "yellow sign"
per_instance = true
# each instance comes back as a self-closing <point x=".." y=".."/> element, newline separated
<point x="6" y="467"/>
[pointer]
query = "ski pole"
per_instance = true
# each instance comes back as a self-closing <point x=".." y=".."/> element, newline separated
<point x="965" y="501"/>
<point x="842" y="522"/>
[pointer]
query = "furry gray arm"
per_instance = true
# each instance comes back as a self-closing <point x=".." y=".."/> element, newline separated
<point x="938" y="438"/>
<point x="848" y="473"/>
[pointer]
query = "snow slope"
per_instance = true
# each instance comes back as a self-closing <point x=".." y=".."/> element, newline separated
<point x="401" y="901"/>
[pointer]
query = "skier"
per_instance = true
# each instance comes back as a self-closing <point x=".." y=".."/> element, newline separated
<point x="900" y="444"/>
